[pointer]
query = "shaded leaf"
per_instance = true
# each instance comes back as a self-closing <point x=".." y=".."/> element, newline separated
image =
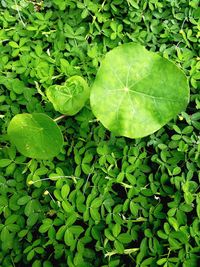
<point x="35" y="135"/>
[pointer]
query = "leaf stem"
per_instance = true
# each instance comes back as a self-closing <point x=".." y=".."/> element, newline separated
<point x="52" y="179"/>
<point x="20" y="17"/>
<point x="126" y="251"/>
<point x="60" y="118"/>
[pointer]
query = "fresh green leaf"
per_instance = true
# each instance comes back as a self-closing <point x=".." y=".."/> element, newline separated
<point x="70" y="97"/>
<point x="35" y="135"/>
<point x="132" y="95"/>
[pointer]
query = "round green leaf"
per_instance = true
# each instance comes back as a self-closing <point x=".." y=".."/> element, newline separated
<point x="70" y="97"/>
<point x="35" y="135"/>
<point x="136" y="91"/>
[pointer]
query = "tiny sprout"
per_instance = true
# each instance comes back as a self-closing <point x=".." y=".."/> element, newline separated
<point x="157" y="198"/>
<point x="181" y="118"/>
<point x="30" y="182"/>
<point x="46" y="192"/>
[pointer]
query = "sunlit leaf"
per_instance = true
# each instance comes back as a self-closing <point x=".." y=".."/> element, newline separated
<point x="136" y="91"/>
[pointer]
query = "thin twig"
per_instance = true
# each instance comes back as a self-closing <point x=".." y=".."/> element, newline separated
<point x="19" y="14"/>
<point x="51" y="197"/>
<point x="126" y="251"/>
<point x="59" y="118"/>
<point x="51" y="178"/>
<point x="86" y="183"/>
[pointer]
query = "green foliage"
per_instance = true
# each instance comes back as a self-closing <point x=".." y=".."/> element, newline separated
<point x="136" y="92"/>
<point x="104" y="200"/>
<point x="134" y="99"/>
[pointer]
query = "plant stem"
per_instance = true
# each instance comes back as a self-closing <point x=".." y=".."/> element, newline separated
<point x="20" y="18"/>
<point x="59" y="118"/>
<point x="126" y="251"/>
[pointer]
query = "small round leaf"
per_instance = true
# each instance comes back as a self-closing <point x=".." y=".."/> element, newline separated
<point x="136" y="91"/>
<point x="35" y="135"/>
<point x="70" y="97"/>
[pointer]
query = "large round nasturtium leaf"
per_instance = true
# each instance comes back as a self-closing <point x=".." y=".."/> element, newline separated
<point x="35" y="135"/>
<point x="136" y="91"/>
<point x="70" y="97"/>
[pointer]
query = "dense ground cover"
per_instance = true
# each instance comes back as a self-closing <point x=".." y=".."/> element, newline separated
<point x="105" y="200"/>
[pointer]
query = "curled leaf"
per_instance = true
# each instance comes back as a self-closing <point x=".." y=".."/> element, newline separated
<point x="70" y="97"/>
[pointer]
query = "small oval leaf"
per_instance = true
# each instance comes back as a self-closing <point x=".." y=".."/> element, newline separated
<point x="35" y="135"/>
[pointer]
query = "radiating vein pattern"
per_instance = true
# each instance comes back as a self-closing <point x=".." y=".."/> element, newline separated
<point x="136" y="92"/>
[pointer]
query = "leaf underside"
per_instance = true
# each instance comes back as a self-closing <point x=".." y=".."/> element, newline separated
<point x="136" y="91"/>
